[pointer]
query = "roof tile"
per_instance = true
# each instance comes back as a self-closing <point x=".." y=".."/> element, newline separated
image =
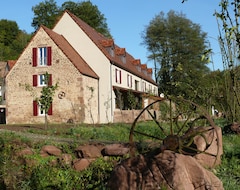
<point x="102" y="43"/>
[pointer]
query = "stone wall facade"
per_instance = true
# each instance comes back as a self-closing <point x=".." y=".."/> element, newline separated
<point x="76" y="98"/>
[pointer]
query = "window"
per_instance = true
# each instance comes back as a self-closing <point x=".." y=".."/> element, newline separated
<point x="42" y="81"/>
<point x="42" y="56"/>
<point x="39" y="80"/>
<point x="129" y="81"/>
<point x="144" y="86"/>
<point x="123" y="58"/>
<point x="111" y="51"/>
<point x="136" y="85"/>
<point x="150" y="88"/>
<point x="40" y="110"/>
<point x="118" y="76"/>
<point x="37" y="111"/>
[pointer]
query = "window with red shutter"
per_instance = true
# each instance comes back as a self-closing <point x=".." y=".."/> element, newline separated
<point x="50" y="80"/>
<point x="50" y="110"/>
<point x="35" y="108"/>
<point x="49" y="56"/>
<point x="34" y="57"/>
<point x="42" y="56"/>
<point x="35" y="81"/>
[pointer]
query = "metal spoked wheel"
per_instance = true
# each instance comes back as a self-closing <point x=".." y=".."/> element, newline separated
<point x="175" y="125"/>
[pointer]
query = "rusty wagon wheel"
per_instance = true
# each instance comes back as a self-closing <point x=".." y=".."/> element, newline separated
<point x="175" y="125"/>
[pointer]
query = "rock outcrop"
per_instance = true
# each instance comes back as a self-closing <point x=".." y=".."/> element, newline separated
<point x="168" y="170"/>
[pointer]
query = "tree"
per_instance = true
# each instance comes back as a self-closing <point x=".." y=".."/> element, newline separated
<point x="46" y="98"/>
<point x="88" y="13"/>
<point x="177" y="46"/>
<point x="12" y="40"/>
<point x="47" y="13"/>
<point x="229" y="38"/>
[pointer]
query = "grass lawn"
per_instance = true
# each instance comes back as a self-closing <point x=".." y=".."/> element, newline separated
<point x="228" y="171"/>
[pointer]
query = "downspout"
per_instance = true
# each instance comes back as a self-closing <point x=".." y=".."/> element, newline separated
<point x="111" y="88"/>
<point x="99" y="101"/>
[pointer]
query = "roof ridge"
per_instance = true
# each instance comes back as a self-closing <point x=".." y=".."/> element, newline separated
<point x="97" y="39"/>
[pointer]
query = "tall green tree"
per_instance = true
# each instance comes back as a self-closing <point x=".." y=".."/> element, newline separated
<point x="47" y="13"/>
<point x="88" y="13"/>
<point x="229" y="38"/>
<point x="46" y="98"/>
<point x="12" y="40"/>
<point x="177" y="45"/>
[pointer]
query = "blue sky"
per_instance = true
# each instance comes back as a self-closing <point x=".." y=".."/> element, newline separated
<point x="127" y="20"/>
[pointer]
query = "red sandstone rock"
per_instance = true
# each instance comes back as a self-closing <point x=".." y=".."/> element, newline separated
<point x="88" y="151"/>
<point x="50" y="150"/>
<point x="214" y="138"/>
<point x="81" y="164"/>
<point x="115" y="150"/>
<point x="163" y="170"/>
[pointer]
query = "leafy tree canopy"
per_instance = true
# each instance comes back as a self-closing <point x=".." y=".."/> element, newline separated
<point x="177" y="46"/>
<point x="47" y="13"/>
<point x="12" y="40"/>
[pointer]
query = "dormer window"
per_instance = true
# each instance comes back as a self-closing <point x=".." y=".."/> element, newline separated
<point x="149" y="72"/>
<point x="139" y="68"/>
<point x="109" y="45"/>
<point x="123" y="59"/>
<point x="144" y="69"/>
<point x="111" y="51"/>
<point x="121" y="52"/>
<point x="137" y="64"/>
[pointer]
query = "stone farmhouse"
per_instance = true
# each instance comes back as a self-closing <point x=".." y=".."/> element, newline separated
<point x="95" y="77"/>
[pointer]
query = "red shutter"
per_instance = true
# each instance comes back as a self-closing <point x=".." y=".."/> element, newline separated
<point x="35" y="80"/>
<point x="49" y="56"/>
<point x="50" y="110"/>
<point x="50" y="80"/>
<point x="35" y="108"/>
<point x="34" y="57"/>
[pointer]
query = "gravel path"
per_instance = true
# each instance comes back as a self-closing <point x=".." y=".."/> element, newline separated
<point x="39" y="137"/>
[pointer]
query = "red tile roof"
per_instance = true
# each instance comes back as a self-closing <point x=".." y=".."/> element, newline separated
<point x="11" y="63"/>
<point x="71" y="53"/>
<point x="102" y="43"/>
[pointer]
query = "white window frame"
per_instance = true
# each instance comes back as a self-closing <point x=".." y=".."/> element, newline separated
<point x="118" y="76"/>
<point x="150" y="88"/>
<point x="40" y="112"/>
<point x="42" y="56"/>
<point x="41" y="80"/>
<point x="129" y="81"/>
<point x="143" y="86"/>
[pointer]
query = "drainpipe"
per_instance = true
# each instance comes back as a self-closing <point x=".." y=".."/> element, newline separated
<point x="111" y="88"/>
<point x="99" y="101"/>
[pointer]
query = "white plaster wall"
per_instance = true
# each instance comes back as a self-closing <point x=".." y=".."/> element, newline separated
<point x="124" y="82"/>
<point x="95" y="59"/>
